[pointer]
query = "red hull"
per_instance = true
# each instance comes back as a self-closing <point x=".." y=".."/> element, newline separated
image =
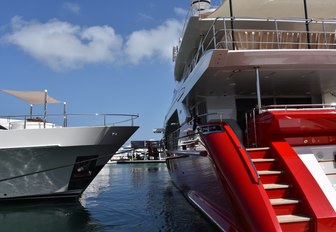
<point x="226" y="186"/>
<point x="196" y="177"/>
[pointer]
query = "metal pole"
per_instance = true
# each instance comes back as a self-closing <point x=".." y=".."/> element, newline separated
<point x="258" y="88"/>
<point x="31" y="110"/>
<point x="214" y="34"/>
<point x="225" y="33"/>
<point x="232" y="29"/>
<point x="45" y="107"/>
<point x="325" y="35"/>
<point x="255" y="128"/>
<point x="247" y="130"/>
<point x="277" y="34"/>
<point x="307" y="22"/>
<point x="65" y="117"/>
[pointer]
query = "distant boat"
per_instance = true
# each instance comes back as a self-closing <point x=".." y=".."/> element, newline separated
<point x="40" y="159"/>
<point x="251" y="132"/>
<point x="140" y="151"/>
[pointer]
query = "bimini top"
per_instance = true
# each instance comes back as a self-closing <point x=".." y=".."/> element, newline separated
<point x="278" y="9"/>
<point x="32" y="97"/>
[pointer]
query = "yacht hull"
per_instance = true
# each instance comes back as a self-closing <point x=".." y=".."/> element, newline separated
<point x="197" y="179"/>
<point x="55" y="163"/>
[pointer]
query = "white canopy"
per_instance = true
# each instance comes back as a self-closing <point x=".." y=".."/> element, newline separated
<point x="32" y="97"/>
<point x="279" y="9"/>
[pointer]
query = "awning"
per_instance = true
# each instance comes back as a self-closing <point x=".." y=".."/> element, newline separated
<point x="282" y="9"/>
<point x="32" y="97"/>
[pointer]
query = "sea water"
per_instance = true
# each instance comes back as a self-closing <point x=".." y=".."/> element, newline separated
<point x="123" y="197"/>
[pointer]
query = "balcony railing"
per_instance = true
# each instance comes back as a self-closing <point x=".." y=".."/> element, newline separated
<point x="262" y="34"/>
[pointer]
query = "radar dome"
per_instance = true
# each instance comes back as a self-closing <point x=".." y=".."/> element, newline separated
<point x="200" y="5"/>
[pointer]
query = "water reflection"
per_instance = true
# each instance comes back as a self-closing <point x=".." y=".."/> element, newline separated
<point x="123" y="197"/>
<point x="46" y="217"/>
<point x="99" y="185"/>
<point x="141" y="197"/>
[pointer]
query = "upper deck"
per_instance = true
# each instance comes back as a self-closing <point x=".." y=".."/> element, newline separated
<point x="247" y="25"/>
<point x="250" y="34"/>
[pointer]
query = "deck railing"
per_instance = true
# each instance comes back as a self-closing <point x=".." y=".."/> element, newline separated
<point x="174" y="138"/>
<point x="210" y="123"/>
<point x="250" y="117"/>
<point x="262" y="34"/>
<point x="62" y="120"/>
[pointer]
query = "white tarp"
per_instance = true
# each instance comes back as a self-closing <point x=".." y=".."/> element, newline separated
<point x="32" y="97"/>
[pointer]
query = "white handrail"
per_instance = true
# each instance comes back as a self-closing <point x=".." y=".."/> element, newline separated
<point x="119" y="119"/>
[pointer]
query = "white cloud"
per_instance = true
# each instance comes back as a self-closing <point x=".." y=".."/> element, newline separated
<point x="71" y="7"/>
<point x="145" y="16"/>
<point x="157" y="42"/>
<point x="63" y="46"/>
<point x="180" y="11"/>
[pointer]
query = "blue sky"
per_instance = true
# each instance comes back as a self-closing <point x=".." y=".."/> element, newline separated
<point x="102" y="56"/>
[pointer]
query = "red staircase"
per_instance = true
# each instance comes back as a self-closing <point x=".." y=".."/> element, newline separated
<point x="297" y="198"/>
<point x="285" y="197"/>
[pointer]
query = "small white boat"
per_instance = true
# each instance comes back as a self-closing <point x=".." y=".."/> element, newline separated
<point x="43" y="160"/>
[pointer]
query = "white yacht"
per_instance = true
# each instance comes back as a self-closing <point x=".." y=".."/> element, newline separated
<point x="40" y="159"/>
<point x="250" y="135"/>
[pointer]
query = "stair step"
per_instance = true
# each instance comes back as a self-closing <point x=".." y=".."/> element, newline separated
<point x="283" y="201"/>
<point x="261" y="160"/>
<point x="258" y="149"/>
<point x="326" y="160"/>
<point x="292" y="218"/>
<point x="269" y="172"/>
<point x="259" y="153"/>
<point x="276" y="186"/>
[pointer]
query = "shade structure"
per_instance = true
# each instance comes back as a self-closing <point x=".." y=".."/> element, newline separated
<point x="32" y="97"/>
<point x="278" y="9"/>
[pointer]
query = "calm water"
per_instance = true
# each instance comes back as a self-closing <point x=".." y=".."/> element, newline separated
<point x="123" y="197"/>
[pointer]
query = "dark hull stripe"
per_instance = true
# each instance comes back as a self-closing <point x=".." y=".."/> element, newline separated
<point x="46" y="197"/>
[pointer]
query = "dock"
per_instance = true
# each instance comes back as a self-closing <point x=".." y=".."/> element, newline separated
<point x="139" y="161"/>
